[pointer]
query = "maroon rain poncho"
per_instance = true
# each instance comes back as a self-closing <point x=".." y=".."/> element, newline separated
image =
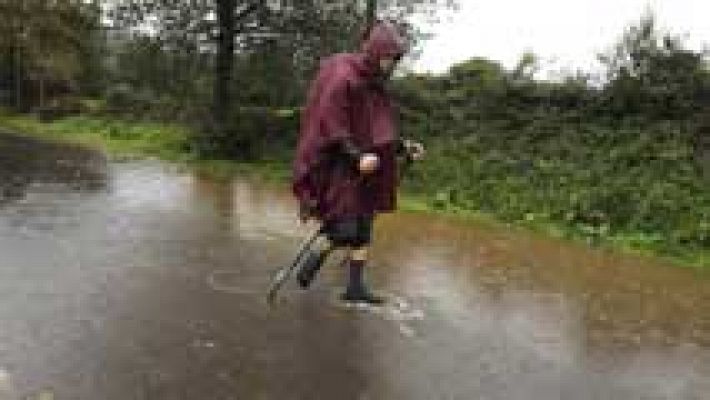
<point x="348" y="102"/>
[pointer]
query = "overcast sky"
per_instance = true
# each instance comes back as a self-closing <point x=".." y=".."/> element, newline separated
<point x="563" y="33"/>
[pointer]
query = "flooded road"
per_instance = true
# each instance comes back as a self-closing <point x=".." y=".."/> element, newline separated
<point x="138" y="280"/>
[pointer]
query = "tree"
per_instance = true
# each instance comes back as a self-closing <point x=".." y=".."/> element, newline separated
<point x="287" y="38"/>
<point x="370" y="13"/>
<point x="45" y="41"/>
<point x="650" y="73"/>
<point x="221" y="26"/>
<point x="229" y="27"/>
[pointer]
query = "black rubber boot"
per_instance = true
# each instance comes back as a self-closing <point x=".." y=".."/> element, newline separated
<point x="357" y="291"/>
<point x="312" y="263"/>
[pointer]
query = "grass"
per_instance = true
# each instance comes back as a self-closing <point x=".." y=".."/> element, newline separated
<point x="116" y="137"/>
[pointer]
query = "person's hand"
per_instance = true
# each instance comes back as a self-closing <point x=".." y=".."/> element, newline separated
<point x="368" y="163"/>
<point x="307" y="211"/>
<point x="415" y="150"/>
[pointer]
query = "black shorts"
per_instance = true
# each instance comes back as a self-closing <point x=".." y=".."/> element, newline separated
<point x="352" y="232"/>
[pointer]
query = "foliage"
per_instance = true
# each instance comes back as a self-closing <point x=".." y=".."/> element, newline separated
<point x="46" y="47"/>
<point x="617" y="163"/>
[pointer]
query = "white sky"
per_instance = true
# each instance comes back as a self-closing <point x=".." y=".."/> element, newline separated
<point x="564" y="34"/>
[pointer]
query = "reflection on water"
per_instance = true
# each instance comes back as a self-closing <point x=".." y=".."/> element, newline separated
<point x="26" y="162"/>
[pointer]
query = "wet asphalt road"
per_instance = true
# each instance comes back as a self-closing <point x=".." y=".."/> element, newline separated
<point x="139" y="280"/>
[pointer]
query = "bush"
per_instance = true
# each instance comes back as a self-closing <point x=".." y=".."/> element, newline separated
<point x="251" y="133"/>
<point x="124" y="99"/>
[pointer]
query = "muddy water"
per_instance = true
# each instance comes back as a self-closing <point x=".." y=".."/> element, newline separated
<point x="138" y="280"/>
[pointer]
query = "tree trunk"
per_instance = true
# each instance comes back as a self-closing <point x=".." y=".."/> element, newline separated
<point x="371" y="14"/>
<point x="41" y="92"/>
<point x="17" y="57"/>
<point x="702" y="151"/>
<point x="18" y="78"/>
<point x="225" y="60"/>
<point x="705" y="161"/>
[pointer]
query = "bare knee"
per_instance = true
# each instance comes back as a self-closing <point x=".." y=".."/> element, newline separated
<point x="359" y="253"/>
